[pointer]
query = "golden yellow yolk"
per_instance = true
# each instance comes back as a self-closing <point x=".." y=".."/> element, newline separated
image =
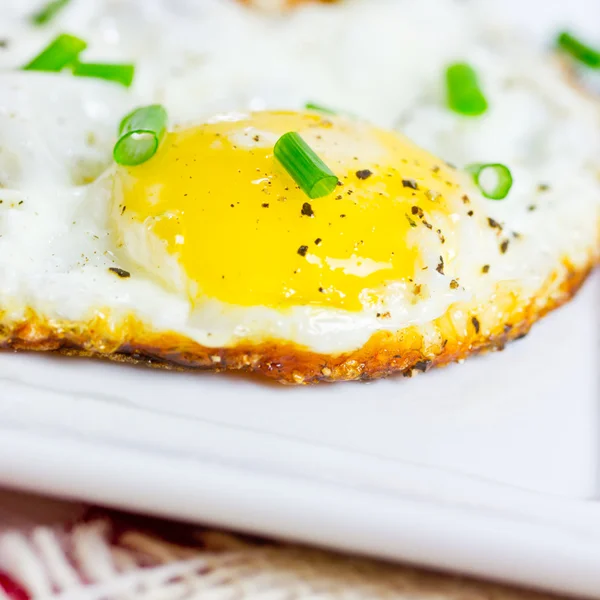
<point x="244" y="233"/>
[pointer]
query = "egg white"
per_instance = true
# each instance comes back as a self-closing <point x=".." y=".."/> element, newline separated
<point x="377" y="60"/>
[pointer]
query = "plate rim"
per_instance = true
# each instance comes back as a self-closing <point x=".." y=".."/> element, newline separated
<point x="435" y="534"/>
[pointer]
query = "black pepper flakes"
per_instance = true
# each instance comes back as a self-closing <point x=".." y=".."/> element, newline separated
<point x="342" y="216"/>
<point x="417" y="210"/>
<point x="364" y="174"/>
<point x="453" y="284"/>
<point x="307" y="210"/>
<point x="465" y="199"/>
<point x="470" y="213"/>
<point x="318" y="241"/>
<point x="410" y="221"/>
<point x="476" y="325"/>
<point x="302" y="250"/>
<point x="410" y="183"/>
<point x="440" y="267"/>
<point x="265" y="205"/>
<point x="504" y="246"/>
<point x="120" y="272"/>
<point x="494" y="224"/>
<point x="485" y="269"/>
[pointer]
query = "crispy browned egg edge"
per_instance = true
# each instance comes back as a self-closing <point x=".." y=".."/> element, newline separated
<point x="386" y="353"/>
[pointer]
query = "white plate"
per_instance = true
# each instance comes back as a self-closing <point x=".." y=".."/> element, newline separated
<point x="490" y="467"/>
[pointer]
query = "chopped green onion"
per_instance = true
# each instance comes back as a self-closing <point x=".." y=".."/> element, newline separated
<point x="502" y="179"/>
<point x="578" y="50"/>
<point x="48" y="12"/>
<point x="120" y="73"/>
<point x="64" y="51"/>
<point x="463" y="91"/>
<point x="319" y="108"/>
<point x="61" y="52"/>
<point x="140" y="134"/>
<point x="306" y="168"/>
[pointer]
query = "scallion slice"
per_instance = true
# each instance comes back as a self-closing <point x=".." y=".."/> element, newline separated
<point x="312" y="175"/>
<point x="60" y="53"/>
<point x="463" y="92"/>
<point x="319" y="108"/>
<point x="578" y="50"/>
<point x="120" y="73"/>
<point x="140" y="134"/>
<point x="48" y="12"/>
<point x="494" y="180"/>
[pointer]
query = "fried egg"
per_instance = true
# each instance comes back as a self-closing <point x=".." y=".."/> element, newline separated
<point x="210" y="255"/>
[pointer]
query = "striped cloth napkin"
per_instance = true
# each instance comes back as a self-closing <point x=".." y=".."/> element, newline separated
<point x="66" y="551"/>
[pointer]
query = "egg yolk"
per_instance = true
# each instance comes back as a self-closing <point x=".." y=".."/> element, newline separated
<point x="244" y="233"/>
